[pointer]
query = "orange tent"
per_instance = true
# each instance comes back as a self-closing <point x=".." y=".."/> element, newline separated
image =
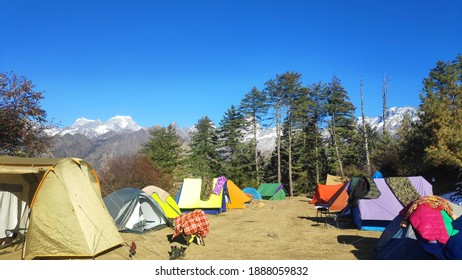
<point x="339" y="200"/>
<point x="324" y="193"/>
<point x="237" y="197"/>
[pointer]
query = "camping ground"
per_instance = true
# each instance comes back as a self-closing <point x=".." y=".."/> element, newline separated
<point x="264" y="230"/>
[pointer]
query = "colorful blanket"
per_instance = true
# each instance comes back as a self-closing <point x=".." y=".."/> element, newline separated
<point x="428" y="216"/>
<point x="194" y="223"/>
<point x="220" y="184"/>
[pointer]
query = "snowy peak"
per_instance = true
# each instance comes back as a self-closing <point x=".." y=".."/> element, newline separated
<point x="119" y="123"/>
<point x="265" y="136"/>
<point x="393" y="119"/>
<point x="95" y="128"/>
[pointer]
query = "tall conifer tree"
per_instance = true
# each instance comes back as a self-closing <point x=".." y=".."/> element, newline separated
<point x="254" y="107"/>
<point x="234" y="152"/>
<point x="203" y="158"/>
<point x="441" y="114"/>
<point x="164" y="150"/>
<point x="342" y="124"/>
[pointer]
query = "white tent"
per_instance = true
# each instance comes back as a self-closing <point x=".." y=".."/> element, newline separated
<point x="135" y="211"/>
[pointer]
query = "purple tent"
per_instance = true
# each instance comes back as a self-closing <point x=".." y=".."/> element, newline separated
<point x="376" y="214"/>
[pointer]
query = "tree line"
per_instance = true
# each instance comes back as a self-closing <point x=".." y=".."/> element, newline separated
<point x="316" y="134"/>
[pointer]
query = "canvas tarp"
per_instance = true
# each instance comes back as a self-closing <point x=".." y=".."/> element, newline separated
<point x="61" y="207"/>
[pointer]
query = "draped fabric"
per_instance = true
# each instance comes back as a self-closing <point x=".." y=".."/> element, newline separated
<point x="362" y="188"/>
<point x="194" y="223"/>
<point x="403" y="189"/>
<point x="427" y="218"/>
<point x="219" y="185"/>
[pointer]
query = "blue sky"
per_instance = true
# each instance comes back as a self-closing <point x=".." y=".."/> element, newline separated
<point x="177" y="61"/>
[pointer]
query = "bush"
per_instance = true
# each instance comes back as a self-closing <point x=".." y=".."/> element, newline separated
<point x="134" y="171"/>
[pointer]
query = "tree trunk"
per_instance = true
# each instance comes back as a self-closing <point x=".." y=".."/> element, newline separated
<point x="385" y="100"/>
<point x="291" y="189"/>
<point x="366" y="145"/>
<point x="257" y="171"/>
<point x="334" y="138"/>
<point x="318" y="175"/>
<point x="278" y="140"/>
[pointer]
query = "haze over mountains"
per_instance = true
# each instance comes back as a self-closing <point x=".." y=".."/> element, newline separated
<point x="97" y="141"/>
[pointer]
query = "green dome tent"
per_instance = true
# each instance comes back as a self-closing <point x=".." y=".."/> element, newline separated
<point x="273" y="191"/>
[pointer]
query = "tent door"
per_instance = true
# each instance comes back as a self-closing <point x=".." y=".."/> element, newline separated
<point x="11" y="204"/>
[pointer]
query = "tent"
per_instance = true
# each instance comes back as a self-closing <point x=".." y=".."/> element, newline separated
<point x="57" y="204"/>
<point x="188" y="197"/>
<point x="335" y="205"/>
<point x="324" y="193"/>
<point x="133" y="210"/>
<point x="237" y="198"/>
<point x="334" y="180"/>
<point x="423" y="234"/>
<point x="377" y="174"/>
<point x="165" y="200"/>
<point x="375" y="214"/>
<point x="254" y="192"/>
<point x="274" y="191"/>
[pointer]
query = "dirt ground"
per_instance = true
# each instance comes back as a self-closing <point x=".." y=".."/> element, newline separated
<point x="264" y="230"/>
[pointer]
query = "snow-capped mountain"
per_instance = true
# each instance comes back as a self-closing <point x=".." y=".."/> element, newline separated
<point x="393" y="119"/>
<point x="95" y="128"/>
<point x="98" y="141"/>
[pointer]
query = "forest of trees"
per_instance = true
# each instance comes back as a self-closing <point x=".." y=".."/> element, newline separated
<point x="316" y="134"/>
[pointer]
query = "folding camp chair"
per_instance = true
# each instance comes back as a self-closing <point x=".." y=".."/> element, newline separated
<point x="334" y="207"/>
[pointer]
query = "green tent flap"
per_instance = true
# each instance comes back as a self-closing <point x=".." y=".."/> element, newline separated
<point x="272" y="191"/>
<point x="279" y="195"/>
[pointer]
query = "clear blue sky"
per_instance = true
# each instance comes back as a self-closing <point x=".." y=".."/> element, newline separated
<point x="177" y="61"/>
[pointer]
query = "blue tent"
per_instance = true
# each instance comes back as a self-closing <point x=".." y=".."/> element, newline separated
<point x="377" y="174"/>
<point x="254" y="192"/>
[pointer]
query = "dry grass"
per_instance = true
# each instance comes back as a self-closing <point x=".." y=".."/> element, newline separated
<point x="264" y="230"/>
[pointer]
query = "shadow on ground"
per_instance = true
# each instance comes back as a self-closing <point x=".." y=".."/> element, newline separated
<point x="365" y="246"/>
<point x="338" y="222"/>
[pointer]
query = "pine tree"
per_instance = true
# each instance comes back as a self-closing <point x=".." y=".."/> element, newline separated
<point x="441" y="114"/>
<point x="164" y="150"/>
<point x="273" y="88"/>
<point x="203" y="158"/>
<point x="254" y="107"/>
<point x="342" y="125"/>
<point x="234" y="152"/>
<point x="292" y="93"/>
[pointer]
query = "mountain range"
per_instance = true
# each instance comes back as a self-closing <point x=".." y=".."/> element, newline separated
<point x="98" y="141"/>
